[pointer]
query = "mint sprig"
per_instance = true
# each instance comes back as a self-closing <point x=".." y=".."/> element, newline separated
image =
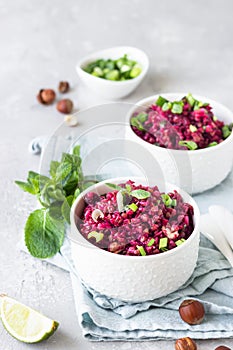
<point x="45" y="228"/>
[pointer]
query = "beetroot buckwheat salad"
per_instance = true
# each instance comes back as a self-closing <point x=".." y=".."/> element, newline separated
<point x="136" y="220"/>
<point x="187" y="124"/>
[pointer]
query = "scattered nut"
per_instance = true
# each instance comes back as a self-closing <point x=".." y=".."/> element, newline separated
<point x="63" y="87"/>
<point x="46" y="96"/>
<point x="96" y="214"/>
<point x="222" y="347"/>
<point x="192" y="311"/>
<point x="65" y="106"/>
<point x="71" y="120"/>
<point x="185" y="344"/>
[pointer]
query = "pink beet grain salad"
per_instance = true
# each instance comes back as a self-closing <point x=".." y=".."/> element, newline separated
<point x="187" y="124"/>
<point x="136" y="220"/>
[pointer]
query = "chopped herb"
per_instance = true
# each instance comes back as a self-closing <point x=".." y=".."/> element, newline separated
<point x="113" y="186"/>
<point x="160" y="101"/>
<point x="192" y="128"/>
<point x="191" y="145"/>
<point x="133" y="207"/>
<point x="134" y="121"/>
<point x="140" y="194"/>
<point x="166" y="106"/>
<point x="212" y="144"/>
<point x="163" y="243"/>
<point x="141" y="250"/>
<point x="191" y="100"/>
<point x="177" y="107"/>
<point x="226" y="131"/>
<point x="168" y="201"/>
<point x="215" y="118"/>
<point x="180" y="241"/>
<point x="151" y="242"/>
<point x="97" y="235"/>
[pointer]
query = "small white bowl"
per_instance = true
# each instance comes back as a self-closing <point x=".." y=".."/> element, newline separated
<point x="113" y="89"/>
<point x="194" y="171"/>
<point x="133" y="278"/>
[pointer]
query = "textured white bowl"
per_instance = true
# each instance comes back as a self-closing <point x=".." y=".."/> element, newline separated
<point x="113" y="89"/>
<point x="194" y="171"/>
<point x="133" y="278"/>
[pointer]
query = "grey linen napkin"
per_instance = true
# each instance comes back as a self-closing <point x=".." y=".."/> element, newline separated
<point x="106" y="319"/>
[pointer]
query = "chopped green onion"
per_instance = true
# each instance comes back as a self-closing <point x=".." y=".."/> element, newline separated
<point x="191" y="100"/>
<point x="166" y="199"/>
<point x="180" y="241"/>
<point x="215" y="118"/>
<point x="134" y="121"/>
<point x="166" y="106"/>
<point x="141" y="250"/>
<point x="160" y="101"/>
<point x="191" y="145"/>
<point x="142" y="117"/>
<point x="133" y="207"/>
<point x="151" y="242"/>
<point x="177" y="107"/>
<point x="211" y="144"/>
<point x="192" y="128"/>
<point x="226" y="131"/>
<point x="163" y="243"/>
<point x="97" y="235"/>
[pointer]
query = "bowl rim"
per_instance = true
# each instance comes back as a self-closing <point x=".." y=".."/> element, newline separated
<point x="163" y="255"/>
<point x="148" y="99"/>
<point x="96" y="54"/>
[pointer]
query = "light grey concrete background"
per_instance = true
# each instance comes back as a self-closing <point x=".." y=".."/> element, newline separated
<point x="190" y="48"/>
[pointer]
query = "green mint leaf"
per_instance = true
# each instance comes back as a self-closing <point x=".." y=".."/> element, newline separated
<point x="160" y="101"/>
<point x="191" y="145"/>
<point x="44" y="236"/>
<point x="76" y="150"/>
<point x="53" y="168"/>
<point x="128" y="188"/>
<point x="140" y="194"/>
<point x="177" y="107"/>
<point x="55" y="211"/>
<point x="27" y="187"/>
<point x="137" y="124"/>
<point x="65" y="208"/>
<point x="114" y="187"/>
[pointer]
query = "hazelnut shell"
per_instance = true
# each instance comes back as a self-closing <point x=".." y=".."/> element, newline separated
<point x="192" y="311"/>
<point x="63" y="87"/>
<point x="46" y="96"/>
<point x="65" y="106"/>
<point x="185" y="344"/>
<point x="222" y="347"/>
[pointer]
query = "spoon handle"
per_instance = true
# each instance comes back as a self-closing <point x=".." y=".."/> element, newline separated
<point x="209" y="229"/>
<point x="224" y="219"/>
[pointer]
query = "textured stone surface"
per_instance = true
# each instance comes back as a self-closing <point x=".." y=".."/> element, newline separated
<point x="189" y="44"/>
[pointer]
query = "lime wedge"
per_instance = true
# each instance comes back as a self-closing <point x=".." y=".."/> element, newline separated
<point x="24" y="323"/>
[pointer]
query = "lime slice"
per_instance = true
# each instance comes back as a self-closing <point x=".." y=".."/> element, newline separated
<point x="24" y="323"/>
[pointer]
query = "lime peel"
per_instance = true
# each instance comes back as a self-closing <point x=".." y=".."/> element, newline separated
<point x="24" y="323"/>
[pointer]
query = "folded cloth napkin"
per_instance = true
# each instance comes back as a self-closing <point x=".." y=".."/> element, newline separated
<point x="103" y="318"/>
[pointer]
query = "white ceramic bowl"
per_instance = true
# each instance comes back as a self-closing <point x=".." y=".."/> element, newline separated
<point x="113" y="89"/>
<point x="133" y="278"/>
<point x="194" y="171"/>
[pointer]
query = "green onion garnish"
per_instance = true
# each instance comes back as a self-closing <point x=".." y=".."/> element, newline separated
<point x="192" y="128"/>
<point x="211" y="144"/>
<point x="163" y="243"/>
<point x="191" y="145"/>
<point x="97" y="235"/>
<point x="151" y="242"/>
<point x="141" y="250"/>
<point x="133" y="207"/>
<point x="180" y="241"/>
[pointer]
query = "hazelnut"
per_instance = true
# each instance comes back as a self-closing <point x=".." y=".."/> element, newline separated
<point x="65" y="106"/>
<point x="46" y="96"/>
<point x="71" y="120"/>
<point x="192" y="311"/>
<point x="222" y="347"/>
<point x="63" y="87"/>
<point x="185" y="344"/>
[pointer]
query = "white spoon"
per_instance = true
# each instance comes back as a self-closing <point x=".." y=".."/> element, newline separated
<point x="224" y="219"/>
<point x="209" y="229"/>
